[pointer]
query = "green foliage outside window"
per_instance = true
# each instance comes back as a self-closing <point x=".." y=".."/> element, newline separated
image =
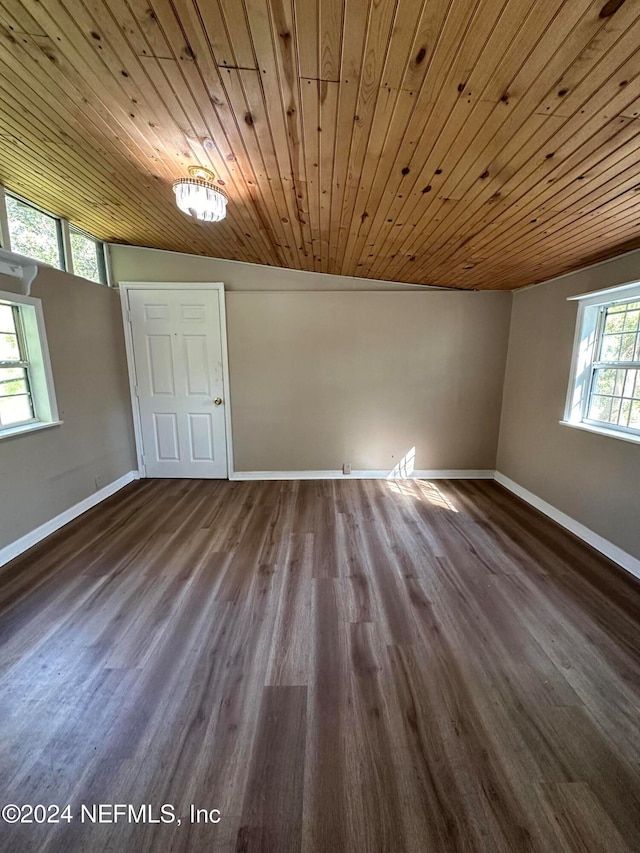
<point x="86" y="257"/>
<point x="34" y="233"/>
<point x="38" y="235"/>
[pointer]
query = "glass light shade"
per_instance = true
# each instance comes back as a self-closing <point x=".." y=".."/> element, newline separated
<point x="200" y="199"/>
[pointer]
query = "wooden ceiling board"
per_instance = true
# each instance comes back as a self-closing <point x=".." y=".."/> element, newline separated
<point x="487" y="132"/>
<point x="483" y="144"/>
<point x="526" y="161"/>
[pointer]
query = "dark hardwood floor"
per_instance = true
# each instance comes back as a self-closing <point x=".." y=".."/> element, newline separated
<point x="334" y="665"/>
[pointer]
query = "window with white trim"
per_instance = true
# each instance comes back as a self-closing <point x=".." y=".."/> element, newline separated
<point x="604" y="393"/>
<point x="27" y="394"/>
<point x="16" y="404"/>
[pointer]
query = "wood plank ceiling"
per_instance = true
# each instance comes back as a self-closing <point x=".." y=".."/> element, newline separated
<point x="467" y="143"/>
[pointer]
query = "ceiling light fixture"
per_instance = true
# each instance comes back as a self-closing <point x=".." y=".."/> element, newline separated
<point x="198" y="196"/>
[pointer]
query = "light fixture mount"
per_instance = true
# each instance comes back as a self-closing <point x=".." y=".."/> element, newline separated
<point x="199" y="196"/>
<point x="201" y="173"/>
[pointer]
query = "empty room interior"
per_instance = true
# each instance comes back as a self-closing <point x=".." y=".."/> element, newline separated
<point x="319" y="426"/>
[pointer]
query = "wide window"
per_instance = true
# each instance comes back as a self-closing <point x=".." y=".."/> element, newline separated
<point x="49" y="239"/>
<point x="34" y="233"/>
<point x="605" y="387"/>
<point x="27" y="396"/>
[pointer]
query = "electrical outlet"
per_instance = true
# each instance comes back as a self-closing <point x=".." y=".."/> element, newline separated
<point x="346" y="468"/>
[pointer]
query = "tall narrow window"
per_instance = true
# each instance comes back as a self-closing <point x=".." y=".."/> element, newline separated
<point x="27" y="394"/>
<point x="88" y="256"/>
<point x="16" y="403"/>
<point x="615" y="387"/>
<point x="34" y="233"/>
<point x="605" y="388"/>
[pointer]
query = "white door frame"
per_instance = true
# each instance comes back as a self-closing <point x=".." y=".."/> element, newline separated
<point x="217" y="286"/>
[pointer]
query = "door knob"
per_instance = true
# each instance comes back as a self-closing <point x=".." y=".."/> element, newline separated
<point x="218" y="401"/>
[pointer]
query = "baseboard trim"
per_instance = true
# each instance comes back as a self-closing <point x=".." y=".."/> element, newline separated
<point x="453" y="474"/>
<point x="613" y="552"/>
<point x="622" y="558"/>
<point x="10" y="552"/>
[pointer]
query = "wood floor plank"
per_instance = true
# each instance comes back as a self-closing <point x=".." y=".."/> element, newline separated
<point x="272" y="813"/>
<point x="325" y="826"/>
<point x="292" y="646"/>
<point x="376" y="816"/>
<point x="580" y="817"/>
<point x="335" y="665"/>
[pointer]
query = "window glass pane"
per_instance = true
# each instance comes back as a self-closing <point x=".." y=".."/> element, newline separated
<point x="616" y="403"/>
<point x="599" y="408"/>
<point x="628" y="347"/>
<point x="7" y="322"/>
<point x="10" y="386"/>
<point x="610" y="350"/>
<point x="604" y="381"/>
<point x="87" y="256"/>
<point x="34" y="233"/>
<point x="615" y="396"/>
<point x="630" y="382"/>
<point x="9" y="349"/>
<point x="615" y="320"/>
<point x="625" y="411"/>
<point x="7" y="373"/>
<point x="15" y="410"/>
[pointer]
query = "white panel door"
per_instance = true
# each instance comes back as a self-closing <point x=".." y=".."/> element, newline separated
<point x="177" y="351"/>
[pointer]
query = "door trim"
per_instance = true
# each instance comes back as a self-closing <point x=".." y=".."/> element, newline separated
<point x="217" y="286"/>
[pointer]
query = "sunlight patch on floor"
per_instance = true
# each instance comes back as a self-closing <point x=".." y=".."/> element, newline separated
<point x="401" y="481"/>
<point x="434" y="495"/>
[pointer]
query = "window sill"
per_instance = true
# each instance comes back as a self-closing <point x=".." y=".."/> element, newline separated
<point x="610" y="433"/>
<point x="12" y="432"/>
